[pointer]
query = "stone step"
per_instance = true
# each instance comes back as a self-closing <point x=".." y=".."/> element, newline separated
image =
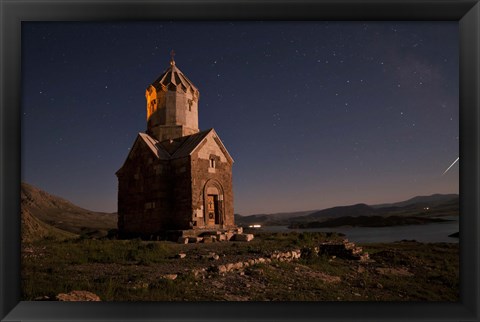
<point x="349" y="245"/>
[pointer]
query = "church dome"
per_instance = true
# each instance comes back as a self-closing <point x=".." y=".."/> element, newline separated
<point x="173" y="79"/>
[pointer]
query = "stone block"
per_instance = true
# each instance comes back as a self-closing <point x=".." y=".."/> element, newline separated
<point x="182" y="240"/>
<point x="212" y="256"/>
<point x="244" y="237"/>
<point x="207" y="239"/>
<point x="238" y="265"/>
<point x="77" y="296"/>
<point x="169" y="276"/>
<point x="194" y="239"/>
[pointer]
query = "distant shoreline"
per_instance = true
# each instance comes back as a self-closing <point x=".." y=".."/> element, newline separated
<point x="367" y="221"/>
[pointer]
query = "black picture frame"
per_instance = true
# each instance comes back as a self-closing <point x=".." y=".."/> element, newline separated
<point x="13" y="12"/>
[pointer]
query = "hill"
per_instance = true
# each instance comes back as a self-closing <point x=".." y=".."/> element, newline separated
<point x="279" y="218"/>
<point x="430" y="201"/>
<point x="42" y="211"/>
<point x="342" y="211"/>
<point x="436" y="205"/>
<point x="34" y="229"/>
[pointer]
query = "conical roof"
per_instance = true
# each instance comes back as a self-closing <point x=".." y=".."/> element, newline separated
<point x="172" y="78"/>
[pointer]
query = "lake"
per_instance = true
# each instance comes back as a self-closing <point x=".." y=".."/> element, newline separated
<point x="428" y="233"/>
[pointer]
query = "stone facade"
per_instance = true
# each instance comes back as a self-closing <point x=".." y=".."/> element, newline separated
<point x="175" y="178"/>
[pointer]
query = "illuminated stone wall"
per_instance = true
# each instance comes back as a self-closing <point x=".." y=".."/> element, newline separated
<point x="205" y="176"/>
<point x="171" y="113"/>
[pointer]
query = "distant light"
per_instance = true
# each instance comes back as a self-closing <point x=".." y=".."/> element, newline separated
<point x="255" y="226"/>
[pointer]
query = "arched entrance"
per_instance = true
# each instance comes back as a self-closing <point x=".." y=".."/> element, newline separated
<point x="213" y="204"/>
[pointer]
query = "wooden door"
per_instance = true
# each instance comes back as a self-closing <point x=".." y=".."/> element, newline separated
<point x="210" y="210"/>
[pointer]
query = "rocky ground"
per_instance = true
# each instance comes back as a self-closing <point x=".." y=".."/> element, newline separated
<point x="276" y="266"/>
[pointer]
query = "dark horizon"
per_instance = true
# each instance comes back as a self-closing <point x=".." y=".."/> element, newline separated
<point x="279" y="212"/>
<point x="315" y="114"/>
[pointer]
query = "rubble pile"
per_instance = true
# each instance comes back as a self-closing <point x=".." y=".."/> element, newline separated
<point x="344" y="249"/>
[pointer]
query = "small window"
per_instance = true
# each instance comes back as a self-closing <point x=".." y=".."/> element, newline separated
<point x="149" y="205"/>
<point x="212" y="163"/>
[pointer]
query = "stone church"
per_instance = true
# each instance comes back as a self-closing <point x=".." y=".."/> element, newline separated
<point x="176" y="178"/>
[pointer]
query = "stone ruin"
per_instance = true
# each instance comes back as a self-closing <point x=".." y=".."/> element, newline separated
<point x="345" y="250"/>
<point x="211" y="236"/>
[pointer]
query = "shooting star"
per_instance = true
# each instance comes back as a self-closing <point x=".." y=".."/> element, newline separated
<point x="451" y="166"/>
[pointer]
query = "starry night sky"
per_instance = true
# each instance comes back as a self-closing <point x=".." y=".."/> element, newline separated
<point x="315" y="114"/>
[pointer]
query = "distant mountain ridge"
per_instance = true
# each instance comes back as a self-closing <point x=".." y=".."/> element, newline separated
<point x="360" y="209"/>
<point x="431" y="200"/>
<point x="438" y="204"/>
<point x="274" y="218"/>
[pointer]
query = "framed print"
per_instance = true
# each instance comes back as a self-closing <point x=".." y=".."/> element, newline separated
<point x="239" y="160"/>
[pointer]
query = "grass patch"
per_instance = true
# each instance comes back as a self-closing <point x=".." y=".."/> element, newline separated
<point x="133" y="270"/>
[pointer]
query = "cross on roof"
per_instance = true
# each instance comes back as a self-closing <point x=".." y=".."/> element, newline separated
<point x="172" y="54"/>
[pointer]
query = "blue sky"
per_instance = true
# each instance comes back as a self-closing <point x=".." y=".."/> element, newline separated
<point x="315" y="114"/>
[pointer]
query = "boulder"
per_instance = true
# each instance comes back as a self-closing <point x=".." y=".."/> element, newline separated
<point x="78" y="296"/>
<point x="212" y="256"/>
<point x="169" y="276"/>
